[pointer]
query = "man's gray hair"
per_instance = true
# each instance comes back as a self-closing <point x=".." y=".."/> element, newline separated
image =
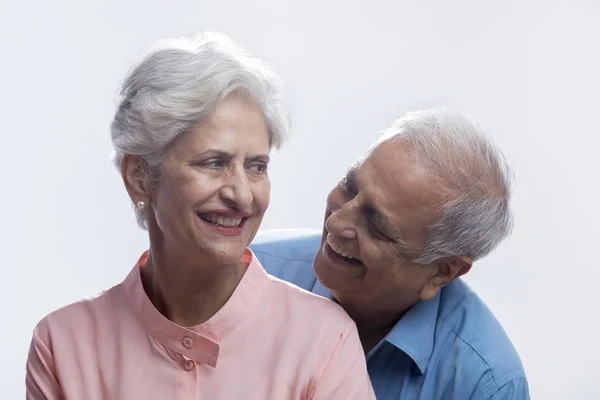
<point x="474" y="216"/>
<point x="178" y="84"/>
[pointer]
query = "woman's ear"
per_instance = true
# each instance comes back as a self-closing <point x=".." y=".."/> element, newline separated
<point x="137" y="179"/>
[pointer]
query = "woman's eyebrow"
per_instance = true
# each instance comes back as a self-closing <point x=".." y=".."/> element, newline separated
<point x="259" y="157"/>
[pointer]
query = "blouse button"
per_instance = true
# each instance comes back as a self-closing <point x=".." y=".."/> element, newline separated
<point x="187" y="342"/>
<point x="189" y="365"/>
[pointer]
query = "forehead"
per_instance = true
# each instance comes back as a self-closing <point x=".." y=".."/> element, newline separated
<point x="235" y="125"/>
<point x="391" y="180"/>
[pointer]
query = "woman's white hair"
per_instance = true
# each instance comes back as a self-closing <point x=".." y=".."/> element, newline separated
<point x="178" y="84"/>
<point x="474" y="216"/>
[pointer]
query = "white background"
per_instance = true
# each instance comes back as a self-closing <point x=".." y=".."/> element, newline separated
<point x="526" y="70"/>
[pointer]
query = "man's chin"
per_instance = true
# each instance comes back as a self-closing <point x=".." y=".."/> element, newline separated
<point x="323" y="275"/>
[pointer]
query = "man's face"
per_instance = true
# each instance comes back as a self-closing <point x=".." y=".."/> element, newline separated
<point x="375" y="225"/>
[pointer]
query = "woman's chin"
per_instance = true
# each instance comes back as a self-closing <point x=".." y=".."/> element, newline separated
<point x="223" y="248"/>
<point x="225" y="254"/>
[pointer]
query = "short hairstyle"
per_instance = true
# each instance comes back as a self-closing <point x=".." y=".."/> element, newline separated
<point x="177" y="85"/>
<point x="474" y="216"/>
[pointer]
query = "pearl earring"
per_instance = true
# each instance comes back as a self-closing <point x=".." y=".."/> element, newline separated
<point x="140" y="205"/>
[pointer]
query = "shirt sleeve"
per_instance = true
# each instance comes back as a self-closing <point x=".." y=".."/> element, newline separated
<point x="40" y="380"/>
<point x="516" y="389"/>
<point x="344" y="376"/>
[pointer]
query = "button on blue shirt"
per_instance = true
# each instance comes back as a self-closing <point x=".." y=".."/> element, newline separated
<point x="451" y="347"/>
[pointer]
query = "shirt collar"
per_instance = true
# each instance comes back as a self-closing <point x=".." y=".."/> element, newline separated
<point x="200" y="343"/>
<point x="413" y="333"/>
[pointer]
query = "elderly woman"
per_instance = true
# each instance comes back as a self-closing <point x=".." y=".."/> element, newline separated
<point x="198" y="317"/>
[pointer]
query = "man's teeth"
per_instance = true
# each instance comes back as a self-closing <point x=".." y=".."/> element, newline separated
<point x="338" y="249"/>
<point x="223" y="221"/>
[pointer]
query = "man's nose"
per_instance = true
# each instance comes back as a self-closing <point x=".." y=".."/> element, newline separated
<point x="342" y="221"/>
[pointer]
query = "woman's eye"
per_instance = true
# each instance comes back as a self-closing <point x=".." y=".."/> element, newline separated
<point x="259" y="168"/>
<point x="213" y="164"/>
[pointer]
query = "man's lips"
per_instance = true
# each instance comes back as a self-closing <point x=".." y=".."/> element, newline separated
<point x="339" y="259"/>
<point x="331" y="241"/>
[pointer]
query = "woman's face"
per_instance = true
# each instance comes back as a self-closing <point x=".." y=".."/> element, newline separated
<point x="214" y="188"/>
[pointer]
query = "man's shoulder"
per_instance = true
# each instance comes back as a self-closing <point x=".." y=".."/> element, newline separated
<point x="288" y="254"/>
<point x="293" y="244"/>
<point x="478" y="339"/>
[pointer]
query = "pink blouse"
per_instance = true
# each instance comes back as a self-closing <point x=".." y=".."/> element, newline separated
<point x="271" y="340"/>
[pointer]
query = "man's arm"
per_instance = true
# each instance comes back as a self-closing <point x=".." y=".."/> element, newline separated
<point x="40" y="380"/>
<point x="344" y="376"/>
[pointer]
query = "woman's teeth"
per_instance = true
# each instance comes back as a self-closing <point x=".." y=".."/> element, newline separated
<point x="220" y="220"/>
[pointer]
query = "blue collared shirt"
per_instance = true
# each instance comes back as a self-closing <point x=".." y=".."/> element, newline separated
<point x="451" y="347"/>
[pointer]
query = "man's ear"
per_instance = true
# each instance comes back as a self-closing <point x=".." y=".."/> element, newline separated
<point x="137" y="179"/>
<point x="445" y="271"/>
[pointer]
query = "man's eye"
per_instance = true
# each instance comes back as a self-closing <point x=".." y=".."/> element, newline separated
<point x="377" y="232"/>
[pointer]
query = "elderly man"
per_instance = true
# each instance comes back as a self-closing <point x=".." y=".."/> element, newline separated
<point x="428" y="199"/>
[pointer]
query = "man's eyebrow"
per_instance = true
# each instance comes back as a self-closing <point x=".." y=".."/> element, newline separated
<point x="349" y="182"/>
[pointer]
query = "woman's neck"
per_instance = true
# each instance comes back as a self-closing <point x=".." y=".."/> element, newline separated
<point x="188" y="293"/>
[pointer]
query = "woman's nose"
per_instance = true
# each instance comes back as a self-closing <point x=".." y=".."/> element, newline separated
<point x="237" y="189"/>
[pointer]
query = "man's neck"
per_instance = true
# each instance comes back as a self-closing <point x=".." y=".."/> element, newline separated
<point x="188" y="293"/>
<point x="373" y="321"/>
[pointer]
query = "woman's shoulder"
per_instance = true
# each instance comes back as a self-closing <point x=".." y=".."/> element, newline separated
<point x="315" y="328"/>
<point x="306" y="306"/>
<point x="82" y="317"/>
